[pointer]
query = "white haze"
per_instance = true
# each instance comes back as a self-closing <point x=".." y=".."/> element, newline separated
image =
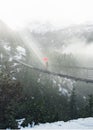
<point x="79" y="47"/>
<point x="33" y="46"/>
<point x="60" y="13"/>
<point x="81" y="50"/>
<point x="16" y="13"/>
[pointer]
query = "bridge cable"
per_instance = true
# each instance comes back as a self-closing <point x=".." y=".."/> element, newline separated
<point x="56" y="74"/>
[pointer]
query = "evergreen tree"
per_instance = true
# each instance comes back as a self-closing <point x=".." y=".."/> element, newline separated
<point x="89" y="106"/>
<point x="73" y="105"/>
<point x="10" y="95"/>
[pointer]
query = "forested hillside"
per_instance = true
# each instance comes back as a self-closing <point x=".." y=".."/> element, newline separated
<point x="35" y="96"/>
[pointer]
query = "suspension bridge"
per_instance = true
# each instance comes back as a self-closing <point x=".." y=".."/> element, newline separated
<point x="87" y="80"/>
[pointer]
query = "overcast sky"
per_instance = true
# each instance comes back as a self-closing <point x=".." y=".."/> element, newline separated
<point x="58" y="12"/>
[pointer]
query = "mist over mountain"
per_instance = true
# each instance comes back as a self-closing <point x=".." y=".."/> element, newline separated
<point x="76" y="40"/>
<point x="56" y="37"/>
<point x="50" y="42"/>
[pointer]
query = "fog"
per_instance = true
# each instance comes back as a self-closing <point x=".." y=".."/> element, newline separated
<point x="79" y="47"/>
<point x="58" y="12"/>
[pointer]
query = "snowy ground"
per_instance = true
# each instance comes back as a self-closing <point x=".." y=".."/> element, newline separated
<point x="82" y="124"/>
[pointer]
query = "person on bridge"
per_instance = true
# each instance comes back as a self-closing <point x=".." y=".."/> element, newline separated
<point x="45" y="59"/>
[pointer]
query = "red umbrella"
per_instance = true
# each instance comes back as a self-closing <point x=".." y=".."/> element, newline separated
<point x="45" y="59"/>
